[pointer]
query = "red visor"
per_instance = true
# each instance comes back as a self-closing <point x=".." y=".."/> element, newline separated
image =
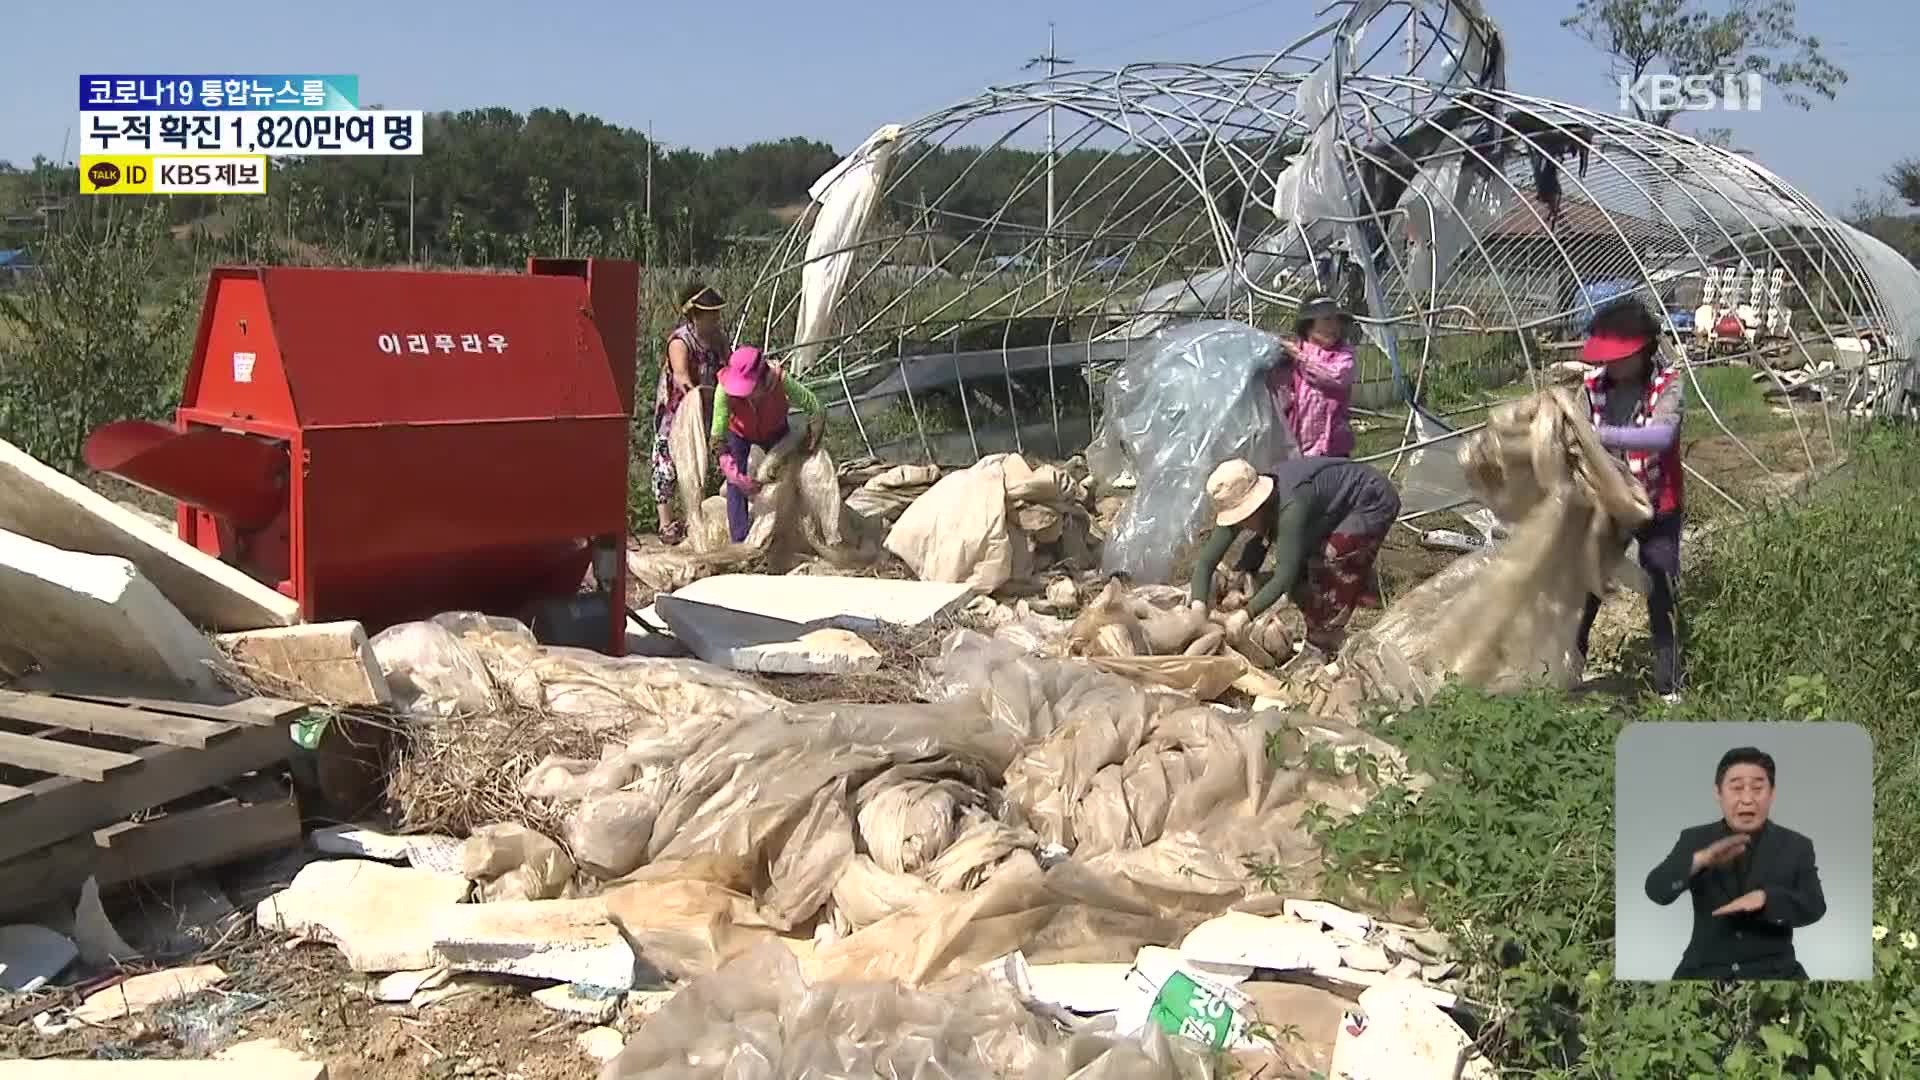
<point x="1608" y="348"/>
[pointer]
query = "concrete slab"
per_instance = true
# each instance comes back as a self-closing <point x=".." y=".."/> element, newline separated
<point x="564" y="940"/>
<point x="95" y="614"/>
<point x="850" y="603"/>
<point x="42" y="503"/>
<point x="381" y="917"/>
<point x="332" y="662"/>
<point x="746" y="641"/>
<point x="817" y="652"/>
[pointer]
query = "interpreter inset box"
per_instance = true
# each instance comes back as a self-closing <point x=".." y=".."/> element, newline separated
<point x="1743" y="851"/>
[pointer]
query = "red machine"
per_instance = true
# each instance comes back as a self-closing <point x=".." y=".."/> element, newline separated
<point x="386" y="445"/>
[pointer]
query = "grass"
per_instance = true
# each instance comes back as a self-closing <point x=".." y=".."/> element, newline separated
<point x="1512" y="850"/>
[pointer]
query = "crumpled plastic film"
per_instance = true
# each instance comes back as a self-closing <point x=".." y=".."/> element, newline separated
<point x="916" y="828"/>
<point x="1151" y="778"/>
<point x="1172" y="414"/>
<point x="886" y="496"/>
<point x="758" y="1019"/>
<point x="1508" y="617"/>
<point x="432" y="672"/>
<point x="983" y="526"/>
<point x="451" y="665"/>
<point x="512" y="862"/>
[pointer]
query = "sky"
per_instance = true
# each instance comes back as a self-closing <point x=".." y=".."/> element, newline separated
<point x="717" y="73"/>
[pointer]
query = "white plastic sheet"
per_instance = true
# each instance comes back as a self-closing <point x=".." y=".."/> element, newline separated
<point x="1173" y="414"/>
<point x="846" y="197"/>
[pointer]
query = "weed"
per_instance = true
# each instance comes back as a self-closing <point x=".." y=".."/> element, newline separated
<point x="1511" y="849"/>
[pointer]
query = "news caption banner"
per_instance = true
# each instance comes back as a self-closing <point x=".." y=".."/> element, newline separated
<point x="213" y="134"/>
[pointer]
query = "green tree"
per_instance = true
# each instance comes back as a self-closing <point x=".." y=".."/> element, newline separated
<point x="1694" y="38"/>
<point x="1904" y="179"/>
<point x="100" y="333"/>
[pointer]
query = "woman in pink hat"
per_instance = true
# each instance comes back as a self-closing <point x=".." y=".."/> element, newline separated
<point x="1636" y="401"/>
<point x="751" y="410"/>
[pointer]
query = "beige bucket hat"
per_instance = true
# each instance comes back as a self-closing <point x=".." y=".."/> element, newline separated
<point x="1236" y="491"/>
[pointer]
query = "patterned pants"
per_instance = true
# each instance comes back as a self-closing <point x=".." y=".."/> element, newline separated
<point x="666" y="478"/>
<point x="1338" y="579"/>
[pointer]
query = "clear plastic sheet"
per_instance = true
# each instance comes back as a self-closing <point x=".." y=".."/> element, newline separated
<point x="1172" y="414"/>
<point x="1507" y="617"/>
<point x="758" y="1018"/>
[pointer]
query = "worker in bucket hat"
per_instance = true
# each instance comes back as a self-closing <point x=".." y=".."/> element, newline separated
<point x="1635" y="400"/>
<point x="1321" y="519"/>
<point x="696" y="349"/>
<point x="751" y="410"/>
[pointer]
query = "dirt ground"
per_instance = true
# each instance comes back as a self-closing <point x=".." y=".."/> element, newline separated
<point x="301" y="998"/>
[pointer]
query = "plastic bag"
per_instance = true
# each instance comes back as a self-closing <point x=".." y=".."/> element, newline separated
<point x="432" y="672"/>
<point x="512" y="862"/>
<point x="1172" y="414"/>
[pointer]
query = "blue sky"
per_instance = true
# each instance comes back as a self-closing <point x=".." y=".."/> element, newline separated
<point x="717" y="73"/>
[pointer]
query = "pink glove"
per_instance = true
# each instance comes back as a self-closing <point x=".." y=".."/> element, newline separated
<point x="741" y="482"/>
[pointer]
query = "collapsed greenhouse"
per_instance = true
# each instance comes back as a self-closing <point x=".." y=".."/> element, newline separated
<point x="961" y="296"/>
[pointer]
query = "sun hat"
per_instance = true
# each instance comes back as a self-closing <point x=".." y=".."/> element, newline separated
<point x="704" y="300"/>
<point x="1316" y="308"/>
<point x="1236" y="491"/>
<point x="1608" y="347"/>
<point x="742" y="374"/>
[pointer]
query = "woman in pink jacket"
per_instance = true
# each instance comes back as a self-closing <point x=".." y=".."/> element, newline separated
<point x="1312" y="385"/>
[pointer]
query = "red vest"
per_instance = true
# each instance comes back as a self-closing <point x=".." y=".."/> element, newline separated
<point x="759" y="418"/>
<point x="1661" y="472"/>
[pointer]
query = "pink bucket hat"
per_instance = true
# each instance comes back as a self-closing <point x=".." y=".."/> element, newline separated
<point x="741" y="376"/>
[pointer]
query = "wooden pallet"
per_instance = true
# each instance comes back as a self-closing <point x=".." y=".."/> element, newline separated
<point x="70" y="763"/>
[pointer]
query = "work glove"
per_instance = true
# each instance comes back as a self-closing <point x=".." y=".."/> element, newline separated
<point x="740" y="481"/>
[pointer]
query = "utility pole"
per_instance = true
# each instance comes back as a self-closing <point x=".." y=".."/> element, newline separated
<point x="1413" y="56"/>
<point x="566" y="223"/>
<point x="1051" y="59"/>
<point x="410" y="205"/>
<point x="649" y="255"/>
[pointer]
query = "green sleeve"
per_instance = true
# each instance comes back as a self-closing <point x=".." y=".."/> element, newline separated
<point x="1208" y="560"/>
<point x="1289" y="552"/>
<point x="801" y="396"/>
<point x="722" y="412"/>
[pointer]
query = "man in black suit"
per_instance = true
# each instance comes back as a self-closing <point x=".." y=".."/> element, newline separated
<point x="1753" y="881"/>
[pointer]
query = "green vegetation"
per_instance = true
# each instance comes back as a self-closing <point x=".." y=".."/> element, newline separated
<point x="1512" y="850"/>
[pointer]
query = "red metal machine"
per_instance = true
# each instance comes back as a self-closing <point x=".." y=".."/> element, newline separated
<point x="386" y="445"/>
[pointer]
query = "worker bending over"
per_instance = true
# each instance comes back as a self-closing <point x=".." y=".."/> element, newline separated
<point x="1636" y="404"/>
<point x="751" y="411"/>
<point x="1322" y="519"/>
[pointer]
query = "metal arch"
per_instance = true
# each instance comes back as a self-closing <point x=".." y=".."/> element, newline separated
<point x="1208" y="125"/>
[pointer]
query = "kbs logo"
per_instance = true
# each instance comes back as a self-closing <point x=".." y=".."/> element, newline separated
<point x="1656" y="94"/>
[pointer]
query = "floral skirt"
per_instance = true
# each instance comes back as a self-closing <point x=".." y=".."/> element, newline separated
<point x="1338" y="580"/>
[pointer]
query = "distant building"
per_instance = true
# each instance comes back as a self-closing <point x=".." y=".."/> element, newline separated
<point x="15" y="265"/>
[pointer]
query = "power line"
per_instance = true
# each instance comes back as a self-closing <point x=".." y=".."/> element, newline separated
<point x="1178" y="28"/>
